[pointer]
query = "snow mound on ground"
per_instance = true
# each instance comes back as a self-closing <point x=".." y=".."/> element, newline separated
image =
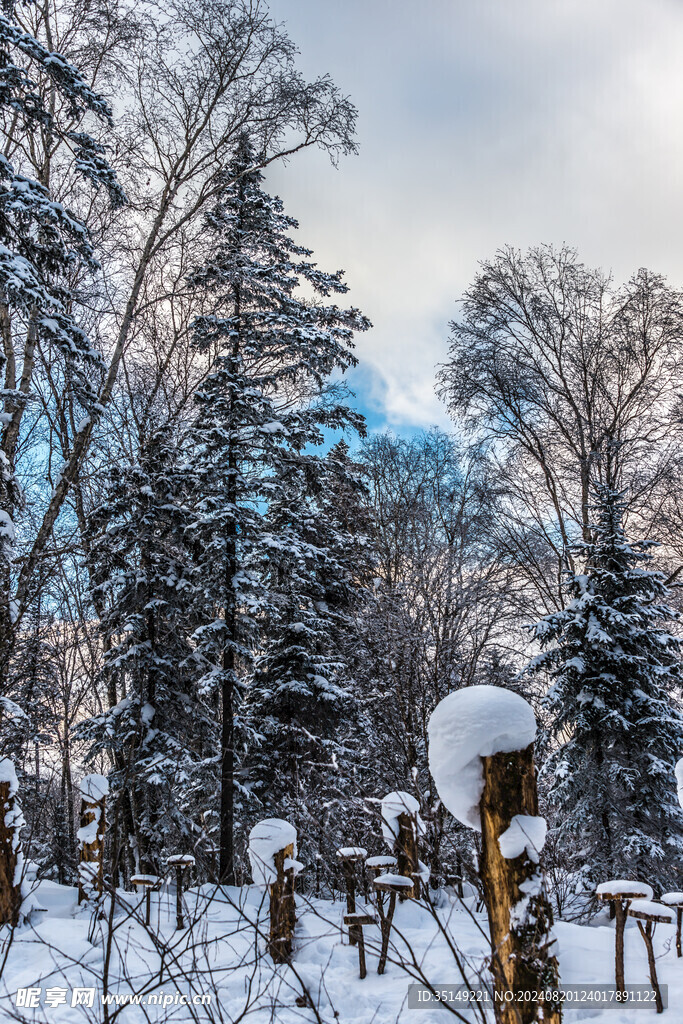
<point x="393" y="805"/>
<point x="625" y="887"/>
<point x="475" y="722"/>
<point x="266" y="839"/>
<point x="525" y="832"/>
<point x="94" y="787"/>
<point x="655" y="909"/>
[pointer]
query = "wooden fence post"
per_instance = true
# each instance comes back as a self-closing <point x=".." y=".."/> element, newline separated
<point x="11" y="822"/>
<point x="94" y="791"/>
<point x="520" y="916"/>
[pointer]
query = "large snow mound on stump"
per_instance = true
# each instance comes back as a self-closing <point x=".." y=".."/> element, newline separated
<point x="8" y="774"/>
<point x="393" y="805"/>
<point x="94" y="787"/>
<point x="679" y="780"/>
<point x="475" y="722"/>
<point x="266" y="839"/>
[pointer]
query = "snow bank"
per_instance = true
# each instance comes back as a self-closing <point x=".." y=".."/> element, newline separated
<point x="94" y="787"/>
<point x="525" y="832"/>
<point x="625" y="887"/>
<point x="266" y="839"/>
<point x="393" y="805"/>
<point x="475" y="722"/>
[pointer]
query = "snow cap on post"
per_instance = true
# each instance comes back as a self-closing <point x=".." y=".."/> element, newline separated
<point x="267" y="838"/>
<point x="475" y="722"/>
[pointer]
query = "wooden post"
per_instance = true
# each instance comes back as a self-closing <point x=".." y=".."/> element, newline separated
<point x="619" y="894"/>
<point x="356" y="923"/>
<point x="179" y="861"/>
<point x="11" y="821"/>
<point x="675" y="900"/>
<point x="394" y="885"/>
<point x="147" y="883"/>
<point x="94" y="790"/>
<point x="520" y="919"/>
<point x="349" y="857"/>
<point x="406" y="853"/>
<point x="651" y="914"/>
<point x="377" y="865"/>
<point x="282" y="907"/>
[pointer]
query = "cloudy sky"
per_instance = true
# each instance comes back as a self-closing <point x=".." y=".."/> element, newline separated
<point x="483" y="123"/>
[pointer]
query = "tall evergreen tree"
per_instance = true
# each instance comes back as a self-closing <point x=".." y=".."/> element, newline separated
<point x="615" y="732"/>
<point x="158" y="734"/>
<point x="302" y="697"/>
<point x="267" y="396"/>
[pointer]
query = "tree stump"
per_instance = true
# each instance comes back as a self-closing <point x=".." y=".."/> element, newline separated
<point x="519" y="912"/>
<point x="180" y="861"/>
<point x="94" y="790"/>
<point x="675" y="900"/>
<point x="11" y="822"/>
<point x="282" y="906"/>
<point x="619" y="893"/>
<point x="652" y="914"/>
<point x="349" y="856"/>
<point x="406" y="853"/>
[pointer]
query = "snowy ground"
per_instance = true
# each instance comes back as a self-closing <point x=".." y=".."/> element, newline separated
<point x="221" y="955"/>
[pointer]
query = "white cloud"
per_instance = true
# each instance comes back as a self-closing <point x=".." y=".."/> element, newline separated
<point x="481" y="125"/>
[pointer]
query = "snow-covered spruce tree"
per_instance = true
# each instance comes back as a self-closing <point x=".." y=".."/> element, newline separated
<point x="158" y="734"/>
<point x="42" y="246"/>
<point x="614" y="733"/>
<point x="267" y="396"/>
<point x="301" y="699"/>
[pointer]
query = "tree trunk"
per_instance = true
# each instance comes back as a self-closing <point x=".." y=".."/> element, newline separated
<point x="519" y="921"/>
<point x="10" y="885"/>
<point x="91" y="868"/>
